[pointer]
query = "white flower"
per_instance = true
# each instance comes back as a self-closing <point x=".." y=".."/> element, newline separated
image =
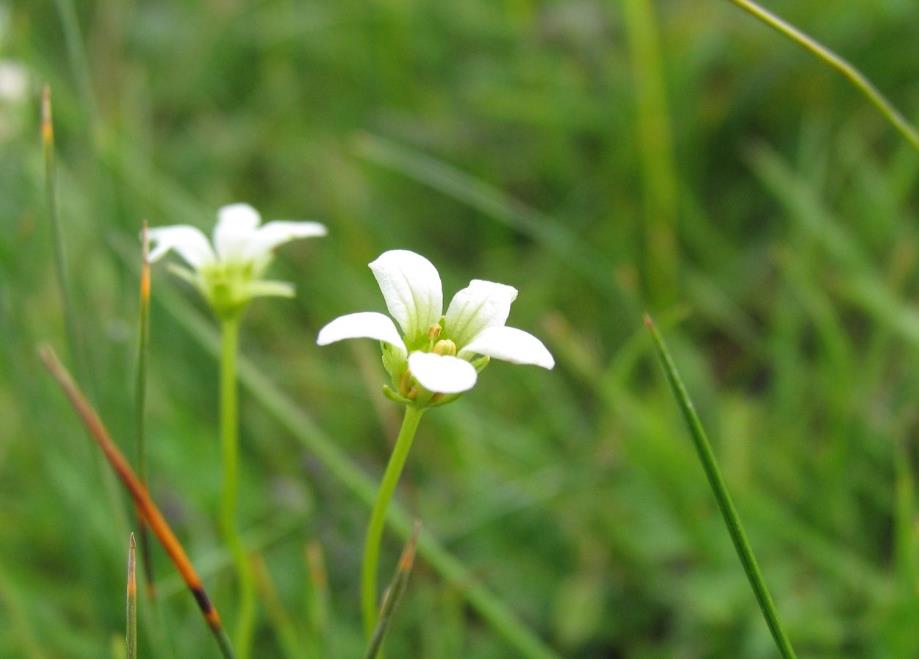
<point x="229" y="273"/>
<point x="441" y="352"/>
<point x="14" y="81"/>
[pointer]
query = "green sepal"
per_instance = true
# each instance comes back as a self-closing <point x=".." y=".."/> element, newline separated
<point x="394" y="361"/>
<point x="391" y="394"/>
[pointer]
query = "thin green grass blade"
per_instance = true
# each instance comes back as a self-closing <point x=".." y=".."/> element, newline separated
<point x="12" y="603"/>
<point x="393" y="594"/>
<point x="723" y="497"/>
<point x="551" y="234"/>
<point x="827" y="56"/>
<point x="285" y="631"/>
<point x="76" y="54"/>
<point x="140" y="404"/>
<point x="57" y="238"/>
<point x="318" y="605"/>
<point x="130" y="637"/>
<point x="655" y="147"/>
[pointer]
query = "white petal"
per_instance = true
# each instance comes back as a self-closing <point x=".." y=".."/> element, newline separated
<point x="512" y="345"/>
<point x="278" y="232"/>
<point x="481" y="304"/>
<point x="187" y="240"/>
<point x="362" y="325"/>
<point x="411" y="287"/>
<point x="442" y="374"/>
<point x="236" y="227"/>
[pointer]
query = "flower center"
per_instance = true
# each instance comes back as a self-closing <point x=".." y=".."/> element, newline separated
<point x="445" y="347"/>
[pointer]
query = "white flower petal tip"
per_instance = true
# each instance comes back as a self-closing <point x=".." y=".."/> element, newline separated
<point x="239" y="214"/>
<point x="236" y="226"/>
<point x="442" y="374"/>
<point x="362" y="325"/>
<point x="278" y="232"/>
<point x="481" y="304"/>
<point x="411" y="287"/>
<point x="188" y="241"/>
<point x="511" y="345"/>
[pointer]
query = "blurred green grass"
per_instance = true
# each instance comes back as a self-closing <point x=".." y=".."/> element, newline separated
<point x="501" y="140"/>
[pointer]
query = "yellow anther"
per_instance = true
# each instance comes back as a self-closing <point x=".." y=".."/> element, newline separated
<point x="434" y="331"/>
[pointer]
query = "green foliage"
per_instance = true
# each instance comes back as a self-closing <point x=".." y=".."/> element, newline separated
<point x="503" y="141"/>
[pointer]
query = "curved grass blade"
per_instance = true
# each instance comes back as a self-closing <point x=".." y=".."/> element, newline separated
<point x="659" y="178"/>
<point x="394" y="593"/>
<point x="130" y="636"/>
<point x="140" y="404"/>
<point x="142" y="500"/>
<point x="719" y="487"/>
<point x="317" y="603"/>
<point x="284" y="628"/>
<point x="57" y="238"/>
<point x="840" y="64"/>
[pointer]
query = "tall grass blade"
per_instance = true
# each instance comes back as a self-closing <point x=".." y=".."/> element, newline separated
<point x="852" y="74"/>
<point x="14" y="615"/>
<point x="76" y="54"/>
<point x="393" y="594"/>
<point x="655" y="146"/>
<point x="317" y="603"/>
<point x="719" y="487"/>
<point x="57" y="238"/>
<point x="140" y="404"/>
<point x="142" y="500"/>
<point x="284" y="627"/>
<point x="131" y="616"/>
<point x="551" y="234"/>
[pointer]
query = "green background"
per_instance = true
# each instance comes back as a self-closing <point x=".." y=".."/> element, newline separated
<point x="605" y="158"/>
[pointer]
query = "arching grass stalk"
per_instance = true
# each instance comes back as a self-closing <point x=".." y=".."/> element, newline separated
<point x="370" y="565"/>
<point x="720" y="489"/>
<point x="852" y="74"/>
<point x="229" y="496"/>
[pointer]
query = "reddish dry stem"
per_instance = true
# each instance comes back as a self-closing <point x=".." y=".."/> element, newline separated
<point x="47" y="125"/>
<point x="142" y="500"/>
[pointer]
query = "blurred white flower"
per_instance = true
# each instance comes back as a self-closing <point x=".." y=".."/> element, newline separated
<point x="441" y="352"/>
<point x="14" y="96"/>
<point x="14" y="82"/>
<point x="229" y="274"/>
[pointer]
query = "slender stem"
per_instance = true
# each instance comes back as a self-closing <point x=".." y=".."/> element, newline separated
<point x="720" y="489"/>
<point x="658" y="172"/>
<point x="131" y="632"/>
<point x="853" y="75"/>
<point x="140" y="404"/>
<point x="229" y="440"/>
<point x="393" y="594"/>
<point x="370" y="567"/>
<point x="57" y="238"/>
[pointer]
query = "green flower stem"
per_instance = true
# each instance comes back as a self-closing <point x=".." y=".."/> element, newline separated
<point x="370" y="567"/>
<point x="229" y="440"/>
<point x="720" y="488"/>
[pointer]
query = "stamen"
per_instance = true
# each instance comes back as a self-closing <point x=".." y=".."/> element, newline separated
<point x="445" y="347"/>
